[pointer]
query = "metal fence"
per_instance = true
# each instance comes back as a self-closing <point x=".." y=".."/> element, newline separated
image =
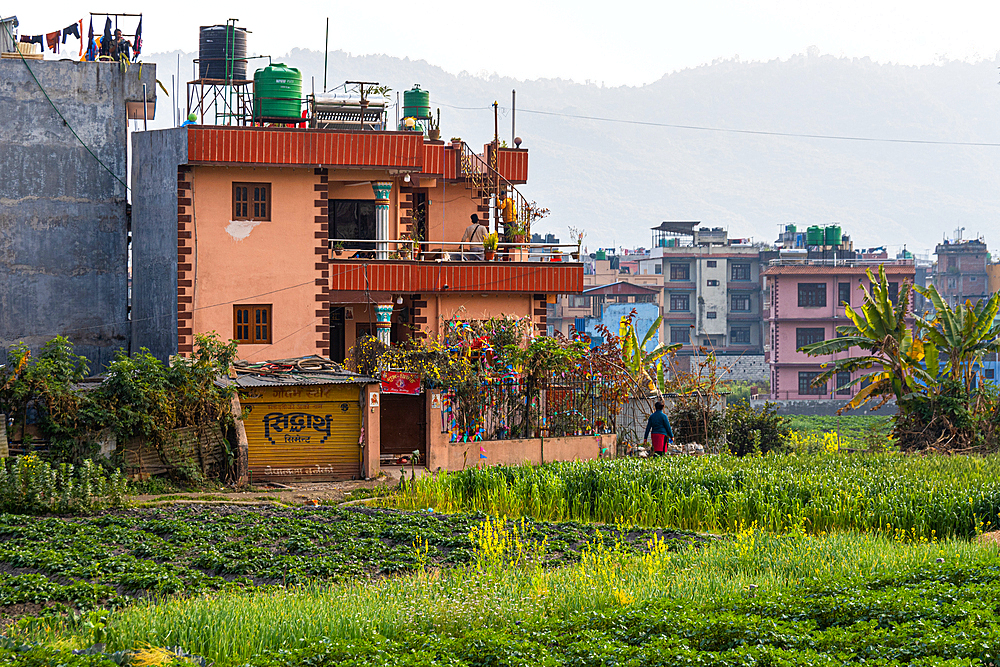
<point x="512" y="409"/>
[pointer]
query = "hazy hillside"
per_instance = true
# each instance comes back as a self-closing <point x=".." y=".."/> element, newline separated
<point x="617" y="180"/>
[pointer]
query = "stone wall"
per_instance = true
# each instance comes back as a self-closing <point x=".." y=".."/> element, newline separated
<point x="63" y="223"/>
<point x="743" y="367"/>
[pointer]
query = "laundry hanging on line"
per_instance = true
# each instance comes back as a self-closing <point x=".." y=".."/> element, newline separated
<point x="52" y="40"/>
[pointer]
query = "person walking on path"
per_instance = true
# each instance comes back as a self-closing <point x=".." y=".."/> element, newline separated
<point x="660" y="426"/>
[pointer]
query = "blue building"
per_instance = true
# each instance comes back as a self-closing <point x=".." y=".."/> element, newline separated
<point x="610" y="303"/>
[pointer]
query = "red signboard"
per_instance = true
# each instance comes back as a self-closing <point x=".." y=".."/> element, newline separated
<point x="398" y="382"/>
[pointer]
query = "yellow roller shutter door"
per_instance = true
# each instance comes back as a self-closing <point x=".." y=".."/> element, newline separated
<point x="291" y="436"/>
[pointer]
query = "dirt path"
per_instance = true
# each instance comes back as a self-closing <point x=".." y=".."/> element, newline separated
<point x="298" y="494"/>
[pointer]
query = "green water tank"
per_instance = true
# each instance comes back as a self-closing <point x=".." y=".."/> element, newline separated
<point x="790" y="229"/>
<point x="277" y="92"/>
<point x="833" y="235"/>
<point x="416" y="103"/>
<point x="814" y="235"/>
<point x="601" y="255"/>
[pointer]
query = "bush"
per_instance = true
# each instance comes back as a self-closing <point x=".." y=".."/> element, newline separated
<point x="750" y="431"/>
<point x="139" y="396"/>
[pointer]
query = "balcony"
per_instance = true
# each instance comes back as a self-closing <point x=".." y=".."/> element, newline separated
<point x="440" y="266"/>
<point x="744" y="316"/>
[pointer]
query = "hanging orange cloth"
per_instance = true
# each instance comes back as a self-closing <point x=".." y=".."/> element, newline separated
<point x="52" y="39"/>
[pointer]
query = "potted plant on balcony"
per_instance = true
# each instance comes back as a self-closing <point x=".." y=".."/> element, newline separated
<point x="434" y="132"/>
<point x="490" y="243"/>
<point x="518" y="231"/>
<point x="338" y="248"/>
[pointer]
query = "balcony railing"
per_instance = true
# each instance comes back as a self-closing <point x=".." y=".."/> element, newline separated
<point x="453" y="251"/>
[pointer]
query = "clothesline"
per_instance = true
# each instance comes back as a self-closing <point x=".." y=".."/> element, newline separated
<point x="98" y="47"/>
<point x="51" y="39"/>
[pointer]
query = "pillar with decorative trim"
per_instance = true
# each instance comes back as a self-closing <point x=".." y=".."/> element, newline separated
<point x="383" y="323"/>
<point x="382" y="190"/>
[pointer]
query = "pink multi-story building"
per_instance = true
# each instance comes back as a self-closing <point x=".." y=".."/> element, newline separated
<point x="804" y="303"/>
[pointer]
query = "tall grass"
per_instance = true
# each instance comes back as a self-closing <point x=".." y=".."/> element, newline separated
<point x="230" y="628"/>
<point x="929" y="497"/>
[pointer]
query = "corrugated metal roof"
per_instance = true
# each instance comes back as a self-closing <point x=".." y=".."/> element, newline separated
<point x="300" y="379"/>
<point x="300" y="371"/>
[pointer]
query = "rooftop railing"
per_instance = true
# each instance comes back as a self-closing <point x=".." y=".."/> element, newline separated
<point x="451" y="251"/>
<point x="795" y="261"/>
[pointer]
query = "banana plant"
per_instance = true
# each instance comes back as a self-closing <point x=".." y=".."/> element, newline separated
<point x="887" y="344"/>
<point x="958" y="337"/>
<point x="638" y="362"/>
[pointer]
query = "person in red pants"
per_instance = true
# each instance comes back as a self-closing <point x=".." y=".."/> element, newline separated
<point x="659" y="424"/>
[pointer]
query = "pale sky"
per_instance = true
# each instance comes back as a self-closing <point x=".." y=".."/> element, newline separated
<point x="616" y="43"/>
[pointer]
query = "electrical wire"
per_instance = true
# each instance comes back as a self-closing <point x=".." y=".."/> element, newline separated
<point x="63" y="118"/>
<point x="768" y="133"/>
<point x="154" y="317"/>
<point x="299" y="330"/>
<point x="733" y="130"/>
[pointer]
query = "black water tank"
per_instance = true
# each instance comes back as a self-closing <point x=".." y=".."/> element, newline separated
<point x="218" y="44"/>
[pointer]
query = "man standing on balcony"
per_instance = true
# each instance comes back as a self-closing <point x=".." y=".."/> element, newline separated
<point x="508" y="213"/>
<point x="475" y="233"/>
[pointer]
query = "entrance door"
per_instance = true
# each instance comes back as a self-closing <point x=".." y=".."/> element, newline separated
<point x="404" y="426"/>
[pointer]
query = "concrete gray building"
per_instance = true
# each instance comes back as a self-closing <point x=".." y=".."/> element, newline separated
<point x="711" y="299"/>
<point x="63" y="202"/>
<point x="960" y="274"/>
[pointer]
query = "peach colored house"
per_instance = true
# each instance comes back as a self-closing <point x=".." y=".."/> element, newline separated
<point x="804" y="303"/>
<point x="296" y="242"/>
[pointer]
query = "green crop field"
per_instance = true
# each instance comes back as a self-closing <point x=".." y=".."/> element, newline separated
<point x="921" y="497"/>
<point x="824" y="559"/>
<point x="848" y="426"/>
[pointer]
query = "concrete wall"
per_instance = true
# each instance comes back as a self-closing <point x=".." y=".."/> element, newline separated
<point x="63" y="227"/>
<point x="445" y="455"/>
<point x="155" y="157"/>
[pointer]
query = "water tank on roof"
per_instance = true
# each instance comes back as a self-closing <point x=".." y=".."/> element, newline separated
<point x="790" y="229"/>
<point x="416" y="103"/>
<point x="222" y="53"/>
<point x="601" y="255"/>
<point x="277" y="92"/>
<point x="814" y="235"/>
<point x="833" y="235"/>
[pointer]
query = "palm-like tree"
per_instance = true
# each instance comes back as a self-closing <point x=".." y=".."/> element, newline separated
<point x="637" y="360"/>
<point x="883" y="335"/>
<point x="958" y="337"/>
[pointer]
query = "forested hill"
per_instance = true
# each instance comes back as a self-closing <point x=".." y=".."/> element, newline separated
<point x="617" y="179"/>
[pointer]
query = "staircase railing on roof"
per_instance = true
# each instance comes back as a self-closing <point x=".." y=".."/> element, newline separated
<point x="486" y="177"/>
